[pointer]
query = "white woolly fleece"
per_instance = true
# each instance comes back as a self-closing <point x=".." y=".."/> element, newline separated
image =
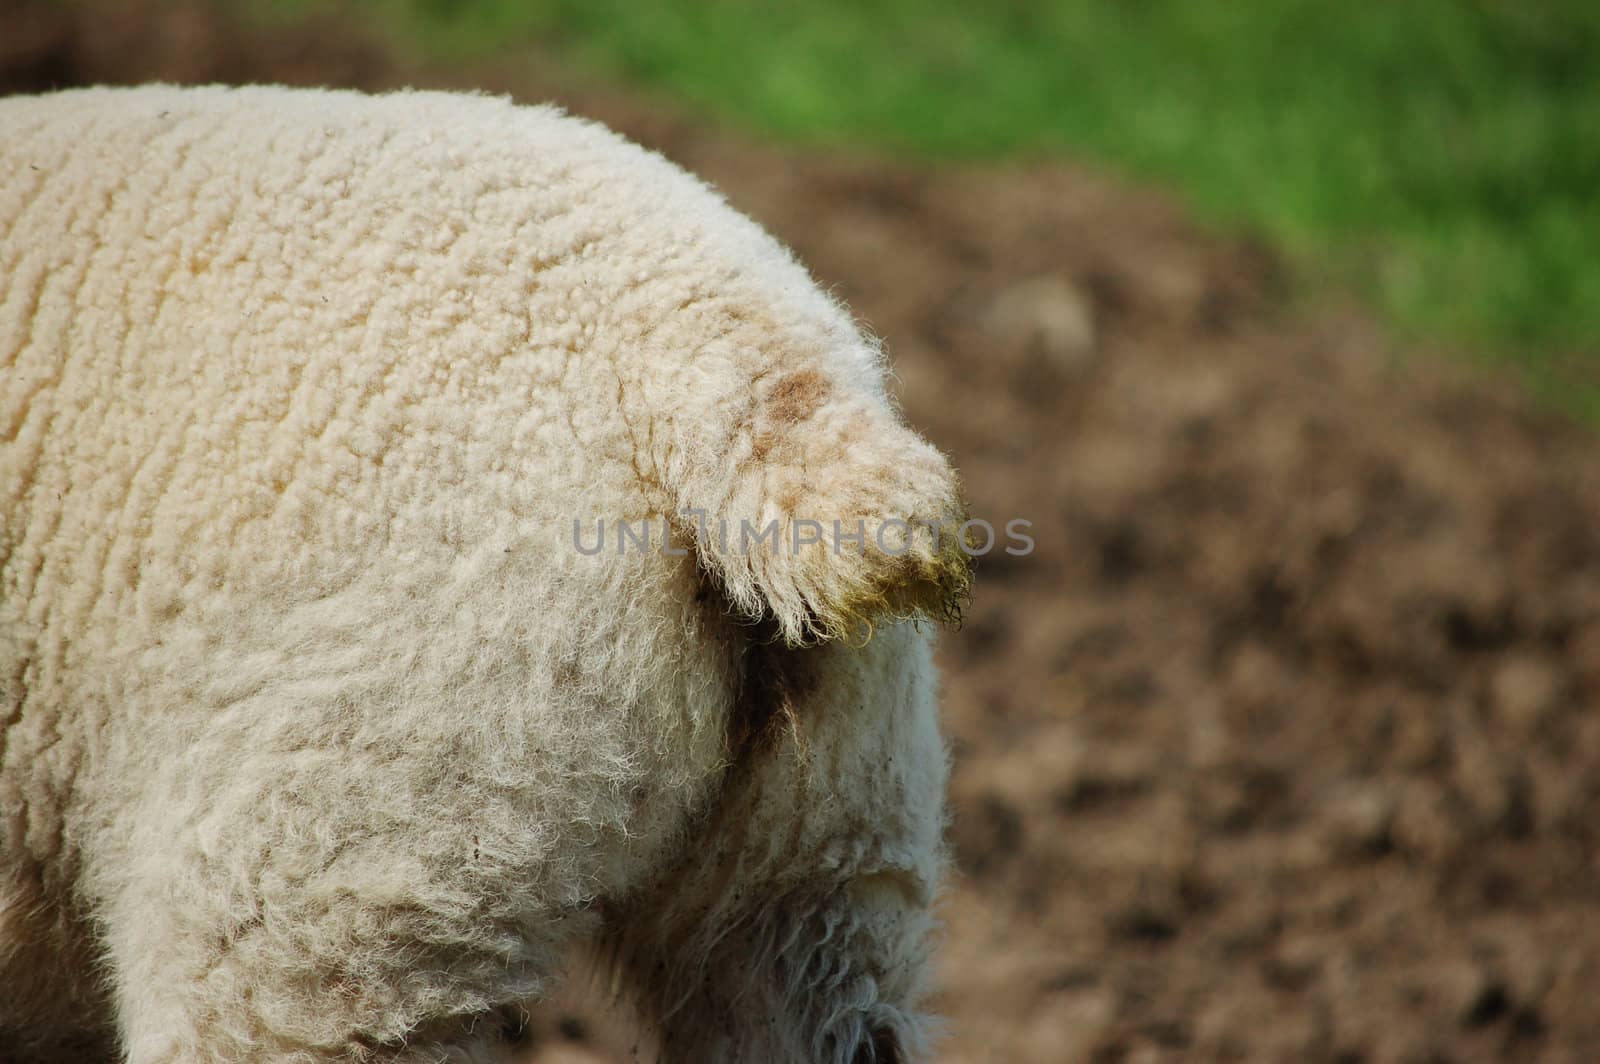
<point x="319" y="739"/>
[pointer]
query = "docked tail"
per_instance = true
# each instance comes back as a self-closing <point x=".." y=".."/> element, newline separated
<point x="829" y="515"/>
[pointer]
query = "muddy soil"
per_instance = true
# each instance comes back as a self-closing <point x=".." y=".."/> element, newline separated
<point x="1284" y="743"/>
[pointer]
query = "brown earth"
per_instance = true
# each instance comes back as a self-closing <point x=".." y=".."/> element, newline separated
<point x="1283" y="744"/>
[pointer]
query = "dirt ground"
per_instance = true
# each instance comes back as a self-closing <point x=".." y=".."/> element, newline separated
<point x="1283" y="745"/>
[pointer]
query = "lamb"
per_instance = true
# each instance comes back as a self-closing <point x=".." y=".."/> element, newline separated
<point x="323" y="734"/>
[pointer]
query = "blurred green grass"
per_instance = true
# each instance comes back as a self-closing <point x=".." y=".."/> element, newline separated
<point x="1439" y="157"/>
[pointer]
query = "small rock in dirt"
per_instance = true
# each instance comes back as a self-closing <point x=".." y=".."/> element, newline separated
<point x="1177" y="289"/>
<point x="1524" y="688"/>
<point x="1356" y="819"/>
<point x="1294" y="965"/>
<point x="1048" y="322"/>
<point x="1487" y="776"/>
<point x="1473" y="994"/>
<point x="1424" y="824"/>
<point x="1257" y="676"/>
<point x="568" y="1053"/>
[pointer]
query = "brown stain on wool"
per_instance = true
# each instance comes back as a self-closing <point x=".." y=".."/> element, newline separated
<point x="797" y="396"/>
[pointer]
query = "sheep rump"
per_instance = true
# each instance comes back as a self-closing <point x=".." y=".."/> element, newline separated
<point x="319" y="740"/>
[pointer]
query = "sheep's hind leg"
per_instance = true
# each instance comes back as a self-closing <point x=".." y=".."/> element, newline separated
<point x="190" y="995"/>
<point x="269" y="950"/>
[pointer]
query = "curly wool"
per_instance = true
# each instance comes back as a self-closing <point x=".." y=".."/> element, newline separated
<point x="319" y="740"/>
